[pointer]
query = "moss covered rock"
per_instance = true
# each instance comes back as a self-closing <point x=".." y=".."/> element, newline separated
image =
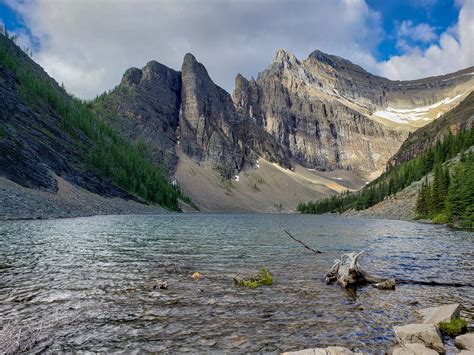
<point x="254" y="279"/>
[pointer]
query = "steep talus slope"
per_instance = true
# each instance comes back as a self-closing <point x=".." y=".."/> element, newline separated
<point x="145" y="107"/>
<point x="460" y="118"/>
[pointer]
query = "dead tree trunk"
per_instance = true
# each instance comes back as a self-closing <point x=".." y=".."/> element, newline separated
<point x="349" y="273"/>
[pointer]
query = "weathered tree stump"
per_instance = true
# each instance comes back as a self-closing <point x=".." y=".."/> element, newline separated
<point x="349" y="273"/>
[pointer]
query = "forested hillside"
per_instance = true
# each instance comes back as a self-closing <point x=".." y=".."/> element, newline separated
<point x="448" y="199"/>
<point x="65" y="138"/>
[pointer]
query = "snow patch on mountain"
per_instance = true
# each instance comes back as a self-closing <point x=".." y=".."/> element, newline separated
<point x="404" y="116"/>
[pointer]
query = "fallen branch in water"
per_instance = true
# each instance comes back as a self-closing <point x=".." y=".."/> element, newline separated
<point x="348" y="272"/>
<point x="433" y="283"/>
<point x="303" y="244"/>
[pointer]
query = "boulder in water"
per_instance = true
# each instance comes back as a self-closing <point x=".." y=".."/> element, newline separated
<point x="426" y="334"/>
<point x="437" y="315"/>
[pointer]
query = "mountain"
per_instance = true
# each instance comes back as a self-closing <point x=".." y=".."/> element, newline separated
<point x="328" y="112"/>
<point x="303" y="130"/>
<point x="318" y="131"/>
<point x="318" y="124"/>
<point x="145" y="107"/>
<point x="58" y="159"/>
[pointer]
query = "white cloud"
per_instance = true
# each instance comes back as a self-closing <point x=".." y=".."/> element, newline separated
<point x="88" y="44"/>
<point x="453" y="51"/>
<point x="422" y="32"/>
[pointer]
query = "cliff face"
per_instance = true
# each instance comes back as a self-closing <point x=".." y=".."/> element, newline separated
<point x="211" y="128"/>
<point x="207" y="120"/>
<point x="339" y="76"/>
<point x="323" y="110"/>
<point x="315" y="129"/>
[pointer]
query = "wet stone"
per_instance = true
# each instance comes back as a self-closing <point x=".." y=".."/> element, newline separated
<point x="426" y="334"/>
<point x="413" y="349"/>
<point x="437" y="315"/>
<point x="465" y="341"/>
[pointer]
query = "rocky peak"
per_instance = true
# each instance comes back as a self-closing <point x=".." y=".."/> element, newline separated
<point x="246" y="97"/>
<point x="191" y="67"/>
<point x="286" y="57"/>
<point x="207" y="115"/>
<point x="284" y="61"/>
<point x="335" y="61"/>
<point x="131" y="77"/>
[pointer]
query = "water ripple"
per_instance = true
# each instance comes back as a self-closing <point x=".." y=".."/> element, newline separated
<point x="88" y="283"/>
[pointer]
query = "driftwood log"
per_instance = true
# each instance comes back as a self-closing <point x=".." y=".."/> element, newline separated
<point x="349" y="273"/>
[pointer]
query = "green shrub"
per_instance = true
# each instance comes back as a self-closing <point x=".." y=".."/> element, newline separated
<point x="454" y="327"/>
<point x="440" y="218"/>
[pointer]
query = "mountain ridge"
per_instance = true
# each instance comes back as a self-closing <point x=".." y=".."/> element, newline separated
<point x="292" y="114"/>
<point x="301" y="120"/>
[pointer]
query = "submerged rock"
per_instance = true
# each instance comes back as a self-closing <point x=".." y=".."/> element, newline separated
<point x="388" y="284"/>
<point x="426" y="334"/>
<point x="162" y="285"/>
<point x="197" y="276"/>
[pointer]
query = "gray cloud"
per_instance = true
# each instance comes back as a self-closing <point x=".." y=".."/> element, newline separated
<point x="88" y="44"/>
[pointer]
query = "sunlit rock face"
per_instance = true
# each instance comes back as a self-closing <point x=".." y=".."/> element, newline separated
<point x="211" y="128"/>
<point x="321" y="110"/>
<point x="207" y="117"/>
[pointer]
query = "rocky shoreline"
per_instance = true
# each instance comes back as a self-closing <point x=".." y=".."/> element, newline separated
<point x="20" y="203"/>
<point x="423" y="338"/>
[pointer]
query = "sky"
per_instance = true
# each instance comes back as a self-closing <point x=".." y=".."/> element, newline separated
<point x="88" y="44"/>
